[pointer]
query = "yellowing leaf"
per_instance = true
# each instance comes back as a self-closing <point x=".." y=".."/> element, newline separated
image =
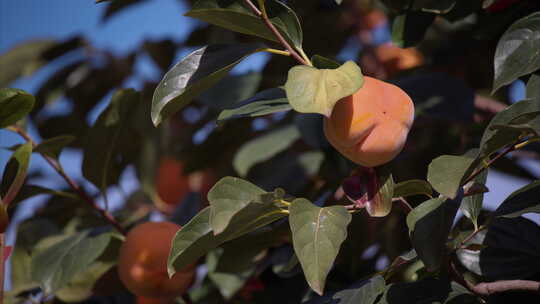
<point x="312" y="90"/>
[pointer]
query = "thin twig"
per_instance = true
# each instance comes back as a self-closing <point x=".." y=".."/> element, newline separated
<point x="470" y="236"/>
<point x="489" y="288"/>
<point x="490" y="162"/>
<point x="275" y="31"/>
<point x="72" y="184"/>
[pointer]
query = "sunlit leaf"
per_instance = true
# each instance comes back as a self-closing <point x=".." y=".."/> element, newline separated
<point x="196" y="238"/>
<point x="312" y="90"/>
<point x="227" y="197"/>
<point x="447" y="172"/>
<point x="195" y="73"/>
<point x="235" y="16"/>
<point x="264" y="147"/>
<point x="317" y="236"/>
<point x="14" y="105"/>
<point x="517" y="51"/>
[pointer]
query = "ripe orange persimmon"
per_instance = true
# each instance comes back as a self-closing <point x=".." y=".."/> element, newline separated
<point x="142" y="264"/>
<point x="370" y="127"/>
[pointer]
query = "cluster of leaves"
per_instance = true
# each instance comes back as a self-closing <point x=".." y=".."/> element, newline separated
<point x="66" y="250"/>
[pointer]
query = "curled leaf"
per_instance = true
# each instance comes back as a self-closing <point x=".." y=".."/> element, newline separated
<point x="312" y="90"/>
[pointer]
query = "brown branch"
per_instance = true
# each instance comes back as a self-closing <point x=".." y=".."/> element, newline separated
<point x="72" y="184"/>
<point x="275" y="31"/>
<point x="505" y="151"/>
<point x="488" y="105"/>
<point x="486" y="289"/>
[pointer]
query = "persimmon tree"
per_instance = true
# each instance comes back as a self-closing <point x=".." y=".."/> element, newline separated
<point x="268" y="174"/>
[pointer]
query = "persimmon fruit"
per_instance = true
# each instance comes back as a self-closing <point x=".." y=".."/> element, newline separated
<point x="171" y="183"/>
<point x="371" y="126"/>
<point x="142" y="264"/>
<point x="395" y="59"/>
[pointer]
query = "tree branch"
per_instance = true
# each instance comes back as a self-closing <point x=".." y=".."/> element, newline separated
<point x="486" y="289"/>
<point x="72" y="184"/>
<point x="276" y="33"/>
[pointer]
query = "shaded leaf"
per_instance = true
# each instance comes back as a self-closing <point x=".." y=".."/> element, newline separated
<point x="28" y="191"/>
<point x="162" y="52"/>
<point x="231" y="90"/>
<point x="22" y="59"/>
<point x="321" y="62"/>
<point x="514" y="243"/>
<point x="195" y="73"/>
<point x="235" y="16"/>
<point x="367" y="293"/>
<point x="408" y="29"/>
<point x="471" y="206"/>
<point x="447" y="172"/>
<point x="317" y="236"/>
<point x="196" y="238"/>
<point x="109" y="144"/>
<point x="524" y="200"/>
<point x="429" y="225"/>
<point x="412" y="187"/>
<point x="533" y="87"/>
<point x="227" y="197"/>
<point x="14" y="105"/>
<point x="312" y="90"/>
<point x="53" y="146"/>
<point x="15" y="172"/>
<point x="55" y="266"/>
<point x="517" y="51"/>
<point x="263" y="103"/>
<point x="264" y="147"/>
<point x="427" y="291"/>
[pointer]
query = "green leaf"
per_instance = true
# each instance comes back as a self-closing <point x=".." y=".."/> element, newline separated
<point x="381" y="203"/>
<point x="494" y="139"/>
<point x="517" y="51"/>
<point x="21" y="60"/>
<point x="312" y="90"/>
<point x="317" y="236"/>
<point x="429" y="225"/>
<point x="321" y="62"/>
<point x="195" y="73"/>
<point x="55" y="266"/>
<point x="408" y="29"/>
<point x="412" y="187"/>
<point x="311" y="162"/>
<point x="447" y="172"/>
<point x="524" y="200"/>
<point x="263" y="103"/>
<point x="15" y="172"/>
<point x="227" y="197"/>
<point x="235" y="16"/>
<point x="109" y="144"/>
<point x="228" y="283"/>
<point x="28" y="191"/>
<point x="231" y="90"/>
<point x="264" y="147"/>
<point x="533" y="87"/>
<point x="367" y="293"/>
<point x="471" y="206"/>
<point x="53" y="146"/>
<point x="196" y="238"/>
<point x="14" y="105"/>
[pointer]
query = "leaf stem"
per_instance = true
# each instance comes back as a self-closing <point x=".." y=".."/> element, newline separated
<point x="275" y="31"/>
<point x="275" y="51"/>
<point x="72" y="184"/>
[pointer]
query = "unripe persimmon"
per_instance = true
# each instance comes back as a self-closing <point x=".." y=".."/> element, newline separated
<point x="142" y="264"/>
<point x="370" y="127"/>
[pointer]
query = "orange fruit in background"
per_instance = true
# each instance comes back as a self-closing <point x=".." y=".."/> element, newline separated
<point x="171" y="184"/>
<point x="370" y="127"/>
<point x="144" y="300"/>
<point x="142" y="263"/>
<point x="395" y="59"/>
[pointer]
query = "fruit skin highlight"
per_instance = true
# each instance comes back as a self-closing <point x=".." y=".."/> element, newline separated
<point x="370" y="127"/>
<point x="142" y="263"/>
